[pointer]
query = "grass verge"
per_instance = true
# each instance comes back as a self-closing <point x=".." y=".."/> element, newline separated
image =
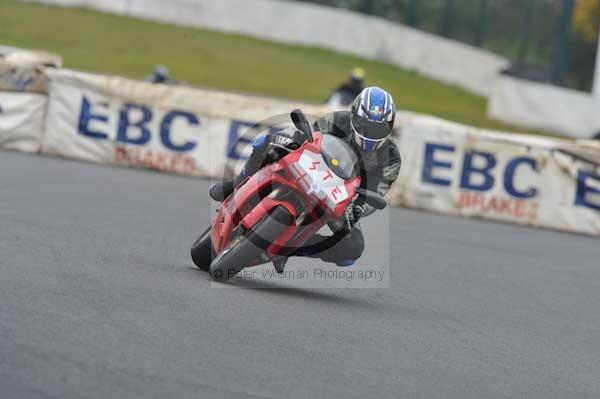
<point x="100" y="42"/>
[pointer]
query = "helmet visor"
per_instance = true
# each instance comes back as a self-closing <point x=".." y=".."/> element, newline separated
<point x="367" y="143"/>
<point x="371" y="129"/>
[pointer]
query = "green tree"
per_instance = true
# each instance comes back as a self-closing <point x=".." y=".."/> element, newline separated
<point x="586" y="19"/>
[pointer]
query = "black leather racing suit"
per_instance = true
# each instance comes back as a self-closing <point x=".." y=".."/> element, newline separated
<point x="378" y="170"/>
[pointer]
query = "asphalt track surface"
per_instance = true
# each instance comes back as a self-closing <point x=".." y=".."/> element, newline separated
<point x="99" y="299"/>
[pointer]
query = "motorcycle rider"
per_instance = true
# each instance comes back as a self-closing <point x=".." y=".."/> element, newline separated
<point x="161" y="75"/>
<point x="345" y="93"/>
<point x="367" y="127"/>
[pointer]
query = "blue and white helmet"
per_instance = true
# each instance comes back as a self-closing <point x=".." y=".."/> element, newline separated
<point x="373" y="114"/>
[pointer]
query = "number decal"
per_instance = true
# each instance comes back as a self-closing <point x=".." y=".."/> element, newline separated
<point x="328" y="175"/>
<point x="313" y="173"/>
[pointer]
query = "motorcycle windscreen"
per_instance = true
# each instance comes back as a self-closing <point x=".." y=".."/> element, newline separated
<point x="339" y="156"/>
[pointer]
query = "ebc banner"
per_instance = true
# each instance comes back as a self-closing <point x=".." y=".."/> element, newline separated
<point x="453" y="169"/>
<point x="87" y="121"/>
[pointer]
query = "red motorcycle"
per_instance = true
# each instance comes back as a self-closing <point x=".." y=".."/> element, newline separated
<point x="276" y="210"/>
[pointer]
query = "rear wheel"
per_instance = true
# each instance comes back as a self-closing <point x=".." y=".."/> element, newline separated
<point x="202" y="251"/>
<point x="250" y="245"/>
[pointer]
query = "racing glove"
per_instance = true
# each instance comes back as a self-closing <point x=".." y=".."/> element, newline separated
<point x="346" y="223"/>
<point x="289" y="138"/>
<point x="354" y="213"/>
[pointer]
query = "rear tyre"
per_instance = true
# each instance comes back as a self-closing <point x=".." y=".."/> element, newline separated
<point x="202" y="251"/>
<point x="249" y="246"/>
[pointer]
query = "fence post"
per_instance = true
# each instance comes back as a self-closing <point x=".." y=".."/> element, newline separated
<point x="367" y="6"/>
<point x="596" y="84"/>
<point x="525" y="29"/>
<point x="561" y="52"/>
<point x="411" y="16"/>
<point x="482" y="27"/>
<point x="446" y="26"/>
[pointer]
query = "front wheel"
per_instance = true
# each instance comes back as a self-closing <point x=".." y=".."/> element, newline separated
<point x="202" y="251"/>
<point x="250" y="246"/>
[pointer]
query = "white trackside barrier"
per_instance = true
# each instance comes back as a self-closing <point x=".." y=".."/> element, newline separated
<point x="542" y="106"/>
<point x="23" y="70"/>
<point x="460" y="170"/>
<point x="314" y="25"/>
<point x="22" y="117"/>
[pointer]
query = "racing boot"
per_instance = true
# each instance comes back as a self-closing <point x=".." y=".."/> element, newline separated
<point x="222" y="189"/>
<point x="279" y="263"/>
<point x="259" y="157"/>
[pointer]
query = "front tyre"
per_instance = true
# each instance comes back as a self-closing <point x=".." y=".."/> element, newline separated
<point x="246" y="249"/>
<point x="202" y="251"/>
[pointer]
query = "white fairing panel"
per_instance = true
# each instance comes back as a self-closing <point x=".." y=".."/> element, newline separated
<point x="322" y="177"/>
